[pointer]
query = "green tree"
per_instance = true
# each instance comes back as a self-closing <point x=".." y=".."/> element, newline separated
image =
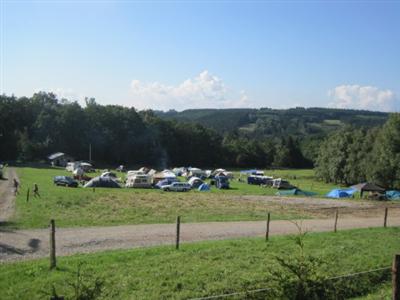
<point x="385" y="163"/>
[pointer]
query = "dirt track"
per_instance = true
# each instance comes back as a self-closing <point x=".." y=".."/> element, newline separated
<point x="7" y="203"/>
<point x="30" y="244"/>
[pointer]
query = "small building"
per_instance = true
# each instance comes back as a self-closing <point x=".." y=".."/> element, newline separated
<point x="60" y="159"/>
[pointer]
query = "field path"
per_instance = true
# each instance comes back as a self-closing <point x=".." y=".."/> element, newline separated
<point x="30" y="244"/>
<point x="7" y="203"/>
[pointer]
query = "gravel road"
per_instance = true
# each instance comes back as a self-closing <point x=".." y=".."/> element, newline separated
<point x="31" y="244"/>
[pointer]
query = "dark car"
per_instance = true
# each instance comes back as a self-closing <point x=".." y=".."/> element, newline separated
<point x="65" y="181"/>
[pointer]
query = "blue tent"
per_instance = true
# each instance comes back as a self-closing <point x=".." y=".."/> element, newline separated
<point x="341" y="193"/>
<point x="204" y="187"/>
<point x="393" y="195"/>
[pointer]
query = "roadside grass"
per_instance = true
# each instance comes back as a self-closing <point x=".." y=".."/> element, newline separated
<point x="74" y="207"/>
<point x="384" y="292"/>
<point x="201" y="269"/>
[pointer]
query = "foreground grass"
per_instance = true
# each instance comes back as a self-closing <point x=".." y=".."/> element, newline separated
<point x="199" y="269"/>
<point x="85" y="207"/>
<point x="382" y="293"/>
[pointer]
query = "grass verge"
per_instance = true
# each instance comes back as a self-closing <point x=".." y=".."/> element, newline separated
<point x="200" y="269"/>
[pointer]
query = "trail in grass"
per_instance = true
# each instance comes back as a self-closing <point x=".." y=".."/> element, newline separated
<point x="30" y="244"/>
<point x="7" y="198"/>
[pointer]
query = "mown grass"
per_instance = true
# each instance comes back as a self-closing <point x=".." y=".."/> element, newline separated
<point x="200" y="269"/>
<point x="72" y="207"/>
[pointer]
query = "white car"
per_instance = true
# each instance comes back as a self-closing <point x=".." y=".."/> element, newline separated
<point x="177" y="187"/>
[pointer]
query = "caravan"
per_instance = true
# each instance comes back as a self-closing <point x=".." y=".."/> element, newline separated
<point x="138" y="181"/>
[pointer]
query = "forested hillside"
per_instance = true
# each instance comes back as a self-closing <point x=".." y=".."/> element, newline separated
<point x="297" y="122"/>
<point x="33" y="127"/>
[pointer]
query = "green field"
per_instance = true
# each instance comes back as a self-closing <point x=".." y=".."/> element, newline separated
<point x="207" y="268"/>
<point x="72" y="207"/>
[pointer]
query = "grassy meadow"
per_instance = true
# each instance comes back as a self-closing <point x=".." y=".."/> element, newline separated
<point x="206" y="268"/>
<point x="72" y="207"/>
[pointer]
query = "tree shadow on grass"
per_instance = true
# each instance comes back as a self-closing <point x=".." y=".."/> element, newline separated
<point x="4" y="248"/>
<point x="33" y="244"/>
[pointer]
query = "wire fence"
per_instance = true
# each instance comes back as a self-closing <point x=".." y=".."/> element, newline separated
<point x="248" y="292"/>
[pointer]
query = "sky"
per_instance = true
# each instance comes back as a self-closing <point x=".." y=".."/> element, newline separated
<point x="204" y="54"/>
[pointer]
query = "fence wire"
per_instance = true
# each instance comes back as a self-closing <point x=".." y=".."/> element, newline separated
<point x="266" y="289"/>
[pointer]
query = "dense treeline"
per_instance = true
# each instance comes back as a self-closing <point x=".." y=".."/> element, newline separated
<point x="32" y="128"/>
<point x="353" y="155"/>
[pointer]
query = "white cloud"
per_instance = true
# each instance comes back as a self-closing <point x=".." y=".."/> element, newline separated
<point x="203" y="91"/>
<point x="364" y="97"/>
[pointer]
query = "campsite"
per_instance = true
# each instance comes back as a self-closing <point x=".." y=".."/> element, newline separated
<point x="109" y="206"/>
<point x="199" y="150"/>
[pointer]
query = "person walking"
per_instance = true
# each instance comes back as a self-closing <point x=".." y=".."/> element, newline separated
<point x="16" y="186"/>
<point x="36" y="191"/>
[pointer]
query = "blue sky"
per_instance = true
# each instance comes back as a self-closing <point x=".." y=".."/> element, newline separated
<point x="195" y="54"/>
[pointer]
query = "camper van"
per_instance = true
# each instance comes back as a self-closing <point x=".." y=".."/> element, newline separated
<point x="138" y="181"/>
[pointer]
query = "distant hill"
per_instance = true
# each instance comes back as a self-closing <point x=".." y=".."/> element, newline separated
<point x="266" y="122"/>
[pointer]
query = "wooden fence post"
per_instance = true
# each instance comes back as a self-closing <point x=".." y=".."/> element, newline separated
<point x="385" y="219"/>
<point x="336" y="218"/>
<point x="27" y="195"/>
<point x="178" y="231"/>
<point x="396" y="277"/>
<point x="52" y="244"/>
<point x="267" y="231"/>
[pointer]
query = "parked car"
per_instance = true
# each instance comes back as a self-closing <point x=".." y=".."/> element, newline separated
<point x="65" y="181"/>
<point x="221" y="182"/>
<point x="177" y="187"/>
<point x="259" y="180"/>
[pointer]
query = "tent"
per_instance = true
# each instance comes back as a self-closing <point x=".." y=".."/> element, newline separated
<point x="368" y="187"/>
<point x="196" y="172"/>
<point x="204" y="187"/>
<point x="178" y="171"/>
<point x="144" y="170"/>
<point x="393" y="195"/>
<point x="341" y="193"/>
<point x="195" y="182"/>
<point x="102" y="182"/>
<point x="166" y="174"/>
<point x="294" y="192"/>
<point x="281" y="184"/>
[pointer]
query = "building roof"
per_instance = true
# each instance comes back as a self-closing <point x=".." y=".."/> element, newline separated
<point x="55" y="155"/>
